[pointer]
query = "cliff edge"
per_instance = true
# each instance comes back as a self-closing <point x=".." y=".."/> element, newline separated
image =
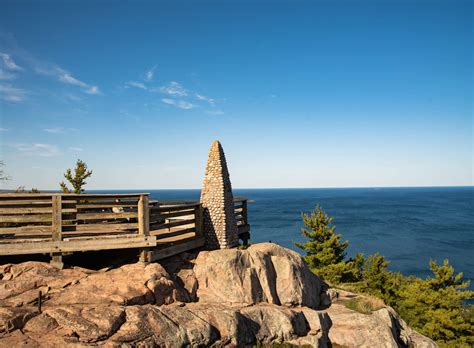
<point x="264" y="294"/>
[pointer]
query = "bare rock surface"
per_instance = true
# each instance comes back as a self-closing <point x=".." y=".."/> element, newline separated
<point x="381" y="328"/>
<point x="264" y="272"/>
<point x="221" y="298"/>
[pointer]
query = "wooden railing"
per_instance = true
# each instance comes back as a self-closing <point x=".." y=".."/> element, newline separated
<point x="62" y="223"/>
<point x="241" y="216"/>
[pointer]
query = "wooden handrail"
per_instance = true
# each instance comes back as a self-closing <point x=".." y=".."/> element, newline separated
<point x="45" y="194"/>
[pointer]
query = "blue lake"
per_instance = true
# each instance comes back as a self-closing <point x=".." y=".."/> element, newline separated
<point x="407" y="225"/>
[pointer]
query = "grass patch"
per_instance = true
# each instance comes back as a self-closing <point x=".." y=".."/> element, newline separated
<point x="364" y="305"/>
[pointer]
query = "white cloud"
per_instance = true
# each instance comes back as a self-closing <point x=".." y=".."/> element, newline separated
<point x="137" y="84"/>
<point x="77" y="149"/>
<point x="4" y="129"/>
<point x="9" y="63"/>
<point x="67" y="78"/>
<point x="186" y="105"/>
<point x="93" y="90"/>
<point x="182" y="104"/>
<point x="150" y="73"/>
<point x="168" y="101"/>
<point x="12" y="94"/>
<point x="211" y="101"/>
<point x="56" y="130"/>
<point x="5" y="75"/>
<point x="41" y="150"/>
<point x="174" y="89"/>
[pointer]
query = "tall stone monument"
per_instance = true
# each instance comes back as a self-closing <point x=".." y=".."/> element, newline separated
<point x="220" y="226"/>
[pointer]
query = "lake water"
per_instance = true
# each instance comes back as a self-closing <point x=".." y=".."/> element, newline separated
<point x="406" y="225"/>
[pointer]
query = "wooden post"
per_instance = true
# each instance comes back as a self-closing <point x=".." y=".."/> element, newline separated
<point x="143" y="223"/>
<point x="245" y="236"/>
<point x="199" y="221"/>
<point x="56" y="229"/>
<point x="244" y="211"/>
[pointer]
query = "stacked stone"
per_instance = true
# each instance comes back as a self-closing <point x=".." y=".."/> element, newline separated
<point x="220" y="226"/>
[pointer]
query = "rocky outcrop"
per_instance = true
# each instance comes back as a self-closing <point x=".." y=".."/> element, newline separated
<point x="231" y="298"/>
<point x="381" y="328"/>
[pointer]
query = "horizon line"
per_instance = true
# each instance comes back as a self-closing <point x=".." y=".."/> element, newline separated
<point x="265" y="188"/>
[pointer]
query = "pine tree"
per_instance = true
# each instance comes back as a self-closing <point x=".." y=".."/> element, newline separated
<point x="3" y="176"/>
<point x="324" y="247"/>
<point x="437" y="306"/>
<point x="78" y="180"/>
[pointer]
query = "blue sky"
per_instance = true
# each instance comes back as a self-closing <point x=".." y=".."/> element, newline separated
<point x="301" y="94"/>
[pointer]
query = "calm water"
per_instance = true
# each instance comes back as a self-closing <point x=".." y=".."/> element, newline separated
<point x="407" y="225"/>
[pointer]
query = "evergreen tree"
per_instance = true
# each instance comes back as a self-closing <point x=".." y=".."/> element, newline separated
<point x="3" y="176"/>
<point x="78" y="180"/>
<point x="437" y="306"/>
<point x="324" y="247"/>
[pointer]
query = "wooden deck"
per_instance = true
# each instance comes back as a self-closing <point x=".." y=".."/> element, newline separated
<point x="58" y="224"/>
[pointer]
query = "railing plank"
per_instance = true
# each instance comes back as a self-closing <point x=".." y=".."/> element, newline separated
<point x="170" y="208"/>
<point x="157" y="215"/>
<point x="34" y="210"/>
<point x="25" y="218"/>
<point x="74" y="244"/>
<point x="160" y="234"/>
<point x="104" y="216"/>
<point x="98" y="226"/>
<point x="46" y="229"/>
<point x="174" y="224"/>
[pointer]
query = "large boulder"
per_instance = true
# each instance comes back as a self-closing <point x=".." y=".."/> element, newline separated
<point x="264" y="272"/>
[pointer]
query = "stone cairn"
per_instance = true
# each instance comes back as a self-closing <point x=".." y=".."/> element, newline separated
<point x="220" y="226"/>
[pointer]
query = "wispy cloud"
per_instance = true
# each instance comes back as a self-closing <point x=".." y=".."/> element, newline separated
<point x="177" y="95"/>
<point x="9" y="63"/>
<point x="77" y="149"/>
<point x="4" y="129"/>
<point x="168" y="101"/>
<point x="67" y="78"/>
<point x="174" y="89"/>
<point x="182" y="104"/>
<point x="150" y="73"/>
<point x="56" y="130"/>
<point x="211" y="101"/>
<point x="137" y="84"/>
<point x="12" y="94"/>
<point x="93" y="90"/>
<point x="5" y="75"/>
<point x="41" y="150"/>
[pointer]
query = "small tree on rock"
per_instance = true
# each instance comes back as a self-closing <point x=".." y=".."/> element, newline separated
<point x="324" y="247"/>
<point x="3" y="176"/>
<point x="78" y="180"/>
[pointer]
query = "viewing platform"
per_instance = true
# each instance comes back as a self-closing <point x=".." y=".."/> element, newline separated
<point x="60" y="224"/>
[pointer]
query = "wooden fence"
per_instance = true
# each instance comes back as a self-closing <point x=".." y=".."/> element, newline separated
<point x="58" y="224"/>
